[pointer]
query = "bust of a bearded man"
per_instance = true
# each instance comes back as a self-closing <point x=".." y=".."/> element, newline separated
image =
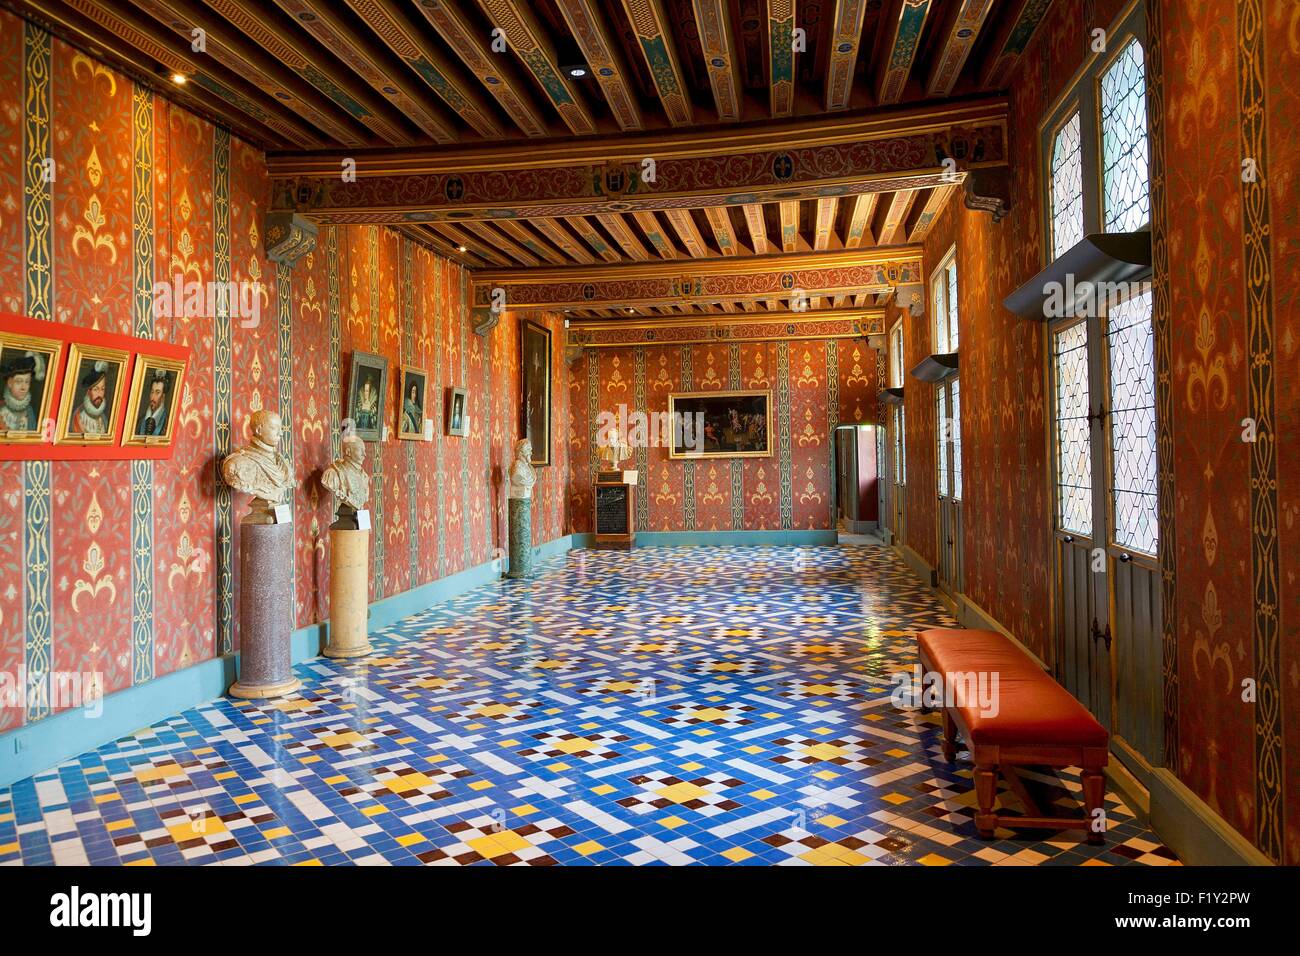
<point x="258" y="469"/>
<point x="522" y="476"/>
<point x="347" y="480"/>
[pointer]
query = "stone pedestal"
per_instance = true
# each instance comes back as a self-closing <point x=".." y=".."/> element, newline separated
<point x="349" y="594"/>
<point x="521" y="538"/>
<point x="265" y="612"/>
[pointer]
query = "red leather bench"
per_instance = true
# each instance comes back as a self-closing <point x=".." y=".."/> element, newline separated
<point x="1037" y="723"/>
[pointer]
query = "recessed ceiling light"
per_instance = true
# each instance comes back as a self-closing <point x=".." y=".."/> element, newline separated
<point x="461" y="249"/>
<point x="180" y="79"/>
<point x="577" y="72"/>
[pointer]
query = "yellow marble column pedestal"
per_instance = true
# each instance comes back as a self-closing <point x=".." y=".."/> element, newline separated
<point x="349" y="594"/>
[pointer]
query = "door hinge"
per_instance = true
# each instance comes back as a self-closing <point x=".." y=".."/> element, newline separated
<point x="1100" y="633"/>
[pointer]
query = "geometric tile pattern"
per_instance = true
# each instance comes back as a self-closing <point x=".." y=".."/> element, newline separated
<point x="664" y="706"/>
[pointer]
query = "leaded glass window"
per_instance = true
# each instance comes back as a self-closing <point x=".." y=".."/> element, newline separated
<point x="955" y="389"/>
<point x="896" y="356"/>
<point x="941" y="436"/>
<point x="1126" y="199"/>
<point x="900" y="444"/>
<point x="1073" y="441"/>
<point x="1131" y="360"/>
<point x="1067" y="187"/>
<point x="944" y="293"/>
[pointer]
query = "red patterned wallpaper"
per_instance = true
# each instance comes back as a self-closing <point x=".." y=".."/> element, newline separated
<point x="438" y="506"/>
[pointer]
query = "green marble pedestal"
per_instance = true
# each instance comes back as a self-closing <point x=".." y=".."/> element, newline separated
<point x="521" y="538"/>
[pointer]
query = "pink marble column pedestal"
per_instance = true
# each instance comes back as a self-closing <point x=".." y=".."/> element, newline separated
<point x="265" y="608"/>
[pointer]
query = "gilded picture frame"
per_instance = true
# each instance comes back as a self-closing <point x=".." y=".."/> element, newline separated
<point x="729" y="423"/>
<point x="93" y="373"/>
<point x="147" y="423"/>
<point x="29" y="371"/>
<point x="411" y="410"/>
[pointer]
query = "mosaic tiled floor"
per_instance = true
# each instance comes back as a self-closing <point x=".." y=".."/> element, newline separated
<point x="664" y="706"/>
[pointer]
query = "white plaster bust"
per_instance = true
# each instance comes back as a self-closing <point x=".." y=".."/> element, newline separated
<point x="258" y="469"/>
<point x="522" y="476"/>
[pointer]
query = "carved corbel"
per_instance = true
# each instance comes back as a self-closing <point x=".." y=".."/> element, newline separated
<point x="989" y="189"/>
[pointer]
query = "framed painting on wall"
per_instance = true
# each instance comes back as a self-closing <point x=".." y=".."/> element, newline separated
<point x="457" y="411"/>
<point x="153" y="400"/>
<point x="723" y="424"/>
<point x="367" y="386"/>
<point x="535" y="395"/>
<point x="92" y="391"/>
<point x="28" y="369"/>
<point x="415" y="386"/>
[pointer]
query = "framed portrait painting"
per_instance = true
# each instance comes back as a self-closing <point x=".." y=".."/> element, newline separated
<point x="367" y="387"/>
<point x="410" y="420"/>
<point x="153" y="400"/>
<point x="28" y="369"/>
<point x="457" y="411"/>
<point x="722" y="424"/>
<point x="535" y="366"/>
<point x="92" y="390"/>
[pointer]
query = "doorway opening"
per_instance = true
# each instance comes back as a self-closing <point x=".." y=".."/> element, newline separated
<point x="855" y="459"/>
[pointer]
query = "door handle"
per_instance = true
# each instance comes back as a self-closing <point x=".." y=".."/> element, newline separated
<point x="1068" y="539"/>
<point x="1125" y="558"/>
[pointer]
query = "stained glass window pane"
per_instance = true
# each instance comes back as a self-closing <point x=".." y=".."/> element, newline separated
<point x="1073" y="442"/>
<point x="1124" y="142"/>
<point x="1067" y="187"/>
<point x="956" y="438"/>
<point x="941" y="437"/>
<point x="1131" y="355"/>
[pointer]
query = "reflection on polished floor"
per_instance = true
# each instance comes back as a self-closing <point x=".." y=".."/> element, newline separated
<point x="711" y="705"/>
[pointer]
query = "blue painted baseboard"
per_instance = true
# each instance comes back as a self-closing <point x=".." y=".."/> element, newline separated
<point x="36" y="747"/>
<point x="676" y="539"/>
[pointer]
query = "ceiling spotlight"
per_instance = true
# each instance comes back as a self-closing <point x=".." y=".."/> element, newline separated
<point x="180" y="79"/>
<point x="631" y="310"/>
<point x="577" y="72"/>
<point x="461" y="249"/>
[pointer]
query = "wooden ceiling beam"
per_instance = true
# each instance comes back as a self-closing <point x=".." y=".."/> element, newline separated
<point x="450" y="22"/>
<point x="885" y="151"/>
<point x="934" y="203"/>
<point x="318" y="18"/>
<point x="684" y="225"/>
<point x="859" y="231"/>
<point x="790" y="238"/>
<point x="474" y="244"/>
<point x="555" y="231"/>
<point x="757" y="228"/>
<point x="622" y="234"/>
<point x="592" y="237"/>
<point x="518" y="230"/>
<point x="723" y="234"/>
<point x="340" y="88"/>
<point x="228" y="47"/>
<point x="781" y="56"/>
<point x="846" y="37"/>
<point x="587" y="24"/>
<point x="892" y="231"/>
<point x="905" y="40"/>
<point x="825" y="223"/>
<point x="529" y="41"/>
<point x="654" y="35"/>
<point x="961" y="36"/>
<point x="656" y="234"/>
<point x="1020" y="20"/>
<point x="698" y="281"/>
<point x="718" y="44"/>
<point x="392" y="25"/>
<point x="489" y="233"/>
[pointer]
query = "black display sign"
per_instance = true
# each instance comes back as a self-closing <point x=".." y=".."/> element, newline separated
<point x="611" y="509"/>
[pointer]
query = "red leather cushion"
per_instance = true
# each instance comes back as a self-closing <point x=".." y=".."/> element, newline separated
<point x="1032" y="708"/>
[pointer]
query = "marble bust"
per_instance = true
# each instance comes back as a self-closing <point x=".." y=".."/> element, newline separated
<point x="258" y="469"/>
<point x="521" y="474"/>
<point x="346" y="478"/>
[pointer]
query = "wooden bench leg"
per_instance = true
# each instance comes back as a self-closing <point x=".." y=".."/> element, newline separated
<point x="1094" y="797"/>
<point x="949" y="737"/>
<point x="986" y="791"/>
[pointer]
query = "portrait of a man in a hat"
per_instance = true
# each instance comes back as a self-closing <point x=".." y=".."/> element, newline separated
<point x="90" y="395"/>
<point x="28" y="369"/>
